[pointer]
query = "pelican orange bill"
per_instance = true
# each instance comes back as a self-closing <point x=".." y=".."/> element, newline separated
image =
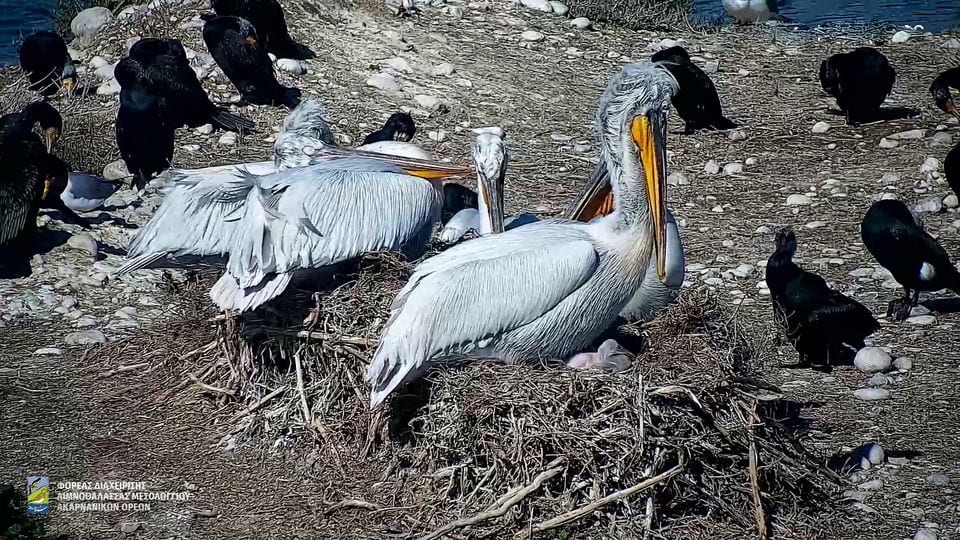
<point x="646" y="136"/>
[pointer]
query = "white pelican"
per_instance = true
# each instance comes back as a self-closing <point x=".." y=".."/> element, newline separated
<point x="192" y="219"/>
<point x="490" y="159"/>
<point x="548" y="288"/>
<point x="654" y="293"/>
<point x="750" y="11"/>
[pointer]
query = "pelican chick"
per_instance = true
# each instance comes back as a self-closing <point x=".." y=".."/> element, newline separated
<point x="86" y="192"/>
<point x="548" y="289"/>
<point x="609" y="357"/>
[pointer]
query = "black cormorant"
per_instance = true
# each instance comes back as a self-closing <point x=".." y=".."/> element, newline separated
<point x="951" y="169"/>
<point x="940" y="89"/>
<point x="267" y="17"/>
<point x="19" y="126"/>
<point x="455" y="199"/>
<point x="696" y="99"/>
<point x="822" y="324"/>
<point x="399" y="127"/>
<point x="241" y="55"/>
<point x="145" y="135"/>
<point x="918" y="263"/>
<point x="44" y="57"/>
<point x="860" y="80"/>
<point x="161" y="68"/>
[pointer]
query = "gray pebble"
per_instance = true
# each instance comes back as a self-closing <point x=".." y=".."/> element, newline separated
<point x="85" y="337"/>
<point x="48" y="351"/>
<point x="903" y="363"/>
<point x="925" y="534"/>
<point x="85" y="243"/>
<point x="938" y="480"/>
<point x="871" y="394"/>
<point x="98" y="279"/>
<point x="878" y="380"/>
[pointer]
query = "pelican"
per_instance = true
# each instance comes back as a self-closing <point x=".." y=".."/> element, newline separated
<point x="548" y="288"/>
<point x="193" y="218"/>
<point x="595" y="201"/>
<point x="490" y="160"/>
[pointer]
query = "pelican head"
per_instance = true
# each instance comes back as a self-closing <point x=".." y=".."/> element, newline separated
<point x="632" y="121"/>
<point x="490" y="158"/>
<point x="304" y="133"/>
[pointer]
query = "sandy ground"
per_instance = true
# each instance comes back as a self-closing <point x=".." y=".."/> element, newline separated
<point x="62" y="417"/>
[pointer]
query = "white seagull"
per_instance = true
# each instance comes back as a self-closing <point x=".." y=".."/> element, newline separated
<point x="549" y="288"/>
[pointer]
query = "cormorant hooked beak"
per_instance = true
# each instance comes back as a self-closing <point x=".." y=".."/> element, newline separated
<point x="649" y="134"/>
<point x="68" y="86"/>
<point x="49" y="185"/>
<point x="251" y="39"/>
<point x="50" y="137"/>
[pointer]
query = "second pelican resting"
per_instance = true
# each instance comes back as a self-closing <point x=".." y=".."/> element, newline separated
<point x="548" y="288"/>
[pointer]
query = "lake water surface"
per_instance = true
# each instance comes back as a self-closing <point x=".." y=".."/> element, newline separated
<point x="21" y="17"/>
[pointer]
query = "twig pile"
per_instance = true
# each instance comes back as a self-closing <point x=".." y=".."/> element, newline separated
<point x="637" y="14"/>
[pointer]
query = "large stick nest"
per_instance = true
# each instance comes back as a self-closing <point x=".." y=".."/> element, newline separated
<point x="489" y="449"/>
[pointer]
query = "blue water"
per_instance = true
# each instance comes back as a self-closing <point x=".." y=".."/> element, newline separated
<point x="934" y="15"/>
<point x="20" y="18"/>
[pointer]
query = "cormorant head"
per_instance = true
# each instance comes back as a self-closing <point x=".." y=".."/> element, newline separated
<point x="55" y="176"/>
<point x="246" y="31"/>
<point x="455" y="199"/>
<point x="828" y="75"/>
<point x="51" y="123"/>
<point x="402" y="126"/>
<point x="674" y="55"/>
<point x="786" y="242"/>
<point x="943" y="99"/>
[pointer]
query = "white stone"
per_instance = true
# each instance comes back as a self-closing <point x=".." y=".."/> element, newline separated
<point x="48" y="351"/>
<point x="953" y="43"/>
<point x="430" y="103"/>
<point x="872" y="360"/>
<point x="445" y="69"/>
<point x="104" y="72"/>
<point x="763" y="229"/>
<point x="925" y="534"/>
<point x="539" y="5"/>
<point x="950" y="201"/>
<point x="85" y="337"/>
<point x="820" y="127"/>
<point x="228" y="139"/>
<point x="438" y="135"/>
<point x="128" y="12"/>
<point x="798" y="199"/>
<point x="559" y="8"/>
<point x="205" y="129"/>
<point x="941" y="138"/>
<point x="677" y="179"/>
<point x="922" y="320"/>
<point x="887" y="143"/>
<point x="85" y="243"/>
<point x="909" y="135"/>
<point x="903" y="363"/>
<point x="930" y="164"/>
<point x="750" y="161"/>
<point x="116" y="170"/>
<point x="582" y="23"/>
<point x="399" y="64"/>
<point x="97" y="62"/>
<point x="531" y="35"/>
<point x="732" y="168"/>
<point x="900" y="37"/>
<point x="890" y="179"/>
<point x="737" y="135"/>
<point x="871" y="394"/>
<point x="291" y="66"/>
<point x="929" y="206"/>
<point x="385" y="82"/>
<point x="88" y="22"/>
<point x="109" y="88"/>
<point x="711" y="167"/>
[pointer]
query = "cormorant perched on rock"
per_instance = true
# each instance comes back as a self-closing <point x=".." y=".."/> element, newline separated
<point x="44" y="57"/>
<point x="241" y="55"/>
<point x="267" y="17"/>
<point x="951" y="169"/>
<point x="751" y="11"/>
<point x="161" y="69"/>
<point x="918" y="263"/>
<point x="19" y="126"/>
<point x="940" y="89"/>
<point x="860" y="80"/>
<point x="821" y="323"/>
<point x="696" y="99"/>
<point x="27" y="177"/>
<point x="399" y="127"/>
<point x="145" y="134"/>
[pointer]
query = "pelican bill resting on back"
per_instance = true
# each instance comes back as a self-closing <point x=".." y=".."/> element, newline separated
<point x="548" y="288"/>
<point x="197" y="220"/>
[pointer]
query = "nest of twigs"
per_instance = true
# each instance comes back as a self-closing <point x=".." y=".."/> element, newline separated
<point x="636" y="14"/>
<point x="490" y="449"/>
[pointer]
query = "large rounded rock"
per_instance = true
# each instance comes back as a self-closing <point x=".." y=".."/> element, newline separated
<point x="872" y="360"/>
<point x="88" y="22"/>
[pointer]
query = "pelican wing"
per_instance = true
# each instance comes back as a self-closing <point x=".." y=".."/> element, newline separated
<point x="195" y="218"/>
<point x="464" y="298"/>
<point x="320" y="215"/>
<point x="459" y="225"/>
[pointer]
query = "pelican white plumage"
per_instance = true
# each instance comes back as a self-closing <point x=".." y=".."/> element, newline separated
<point x="490" y="160"/>
<point x="750" y="11"/>
<point x="549" y="288"/>
<point x="654" y="293"/>
<point x="192" y="220"/>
